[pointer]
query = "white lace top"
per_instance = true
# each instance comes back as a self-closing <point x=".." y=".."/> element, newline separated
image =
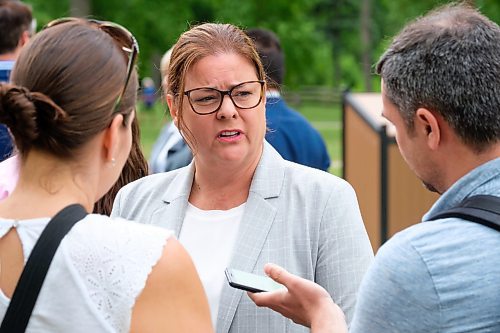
<point x="98" y="271"/>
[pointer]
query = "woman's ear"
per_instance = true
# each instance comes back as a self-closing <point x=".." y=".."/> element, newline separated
<point x="172" y="107"/>
<point x="112" y="138"/>
<point x="428" y="123"/>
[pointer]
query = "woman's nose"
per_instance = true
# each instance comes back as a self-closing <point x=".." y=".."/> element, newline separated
<point x="227" y="109"/>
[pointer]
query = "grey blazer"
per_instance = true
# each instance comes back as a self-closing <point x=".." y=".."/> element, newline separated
<point x="303" y="219"/>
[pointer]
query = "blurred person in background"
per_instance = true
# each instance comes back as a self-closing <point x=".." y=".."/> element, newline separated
<point x="148" y="92"/>
<point x="170" y="151"/>
<point x="17" y="25"/>
<point x="289" y="133"/>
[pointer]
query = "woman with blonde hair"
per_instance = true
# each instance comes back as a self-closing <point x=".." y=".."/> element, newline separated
<point x="239" y="204"/>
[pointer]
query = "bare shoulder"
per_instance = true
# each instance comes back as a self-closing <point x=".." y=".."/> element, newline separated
<point x="173" y="299"/>
<point x="173" y="265"/>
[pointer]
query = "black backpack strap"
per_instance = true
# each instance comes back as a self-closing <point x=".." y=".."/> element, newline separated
<point x="482" y="209"/>
<point x="28" y="287"/>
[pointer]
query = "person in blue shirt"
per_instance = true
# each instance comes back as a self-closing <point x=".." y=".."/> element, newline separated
<point x="16" y="26"/>
<point x="170" y="151"/>
<point x="289" y="132"/>
<point x="440" y="89"/>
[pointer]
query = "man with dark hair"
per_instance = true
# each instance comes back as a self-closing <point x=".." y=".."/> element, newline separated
<point x="441" y="90"/>
<point x="290" y="133"/>
<point x="16" y="28"/>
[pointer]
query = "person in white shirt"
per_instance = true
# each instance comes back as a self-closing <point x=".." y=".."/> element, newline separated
<point x="239" y="204"/>
<point x="70" y="107"/>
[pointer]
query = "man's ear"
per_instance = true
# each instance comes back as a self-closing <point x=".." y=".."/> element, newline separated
<point x="112" y="138"/>
<point x="172" y="107"/>
<point x="25" y="38"/>
<point x="428" y="124"/>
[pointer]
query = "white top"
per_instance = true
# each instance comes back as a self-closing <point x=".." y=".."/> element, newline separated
<point x="98" y="271"/>
<point x="209" y="237"/>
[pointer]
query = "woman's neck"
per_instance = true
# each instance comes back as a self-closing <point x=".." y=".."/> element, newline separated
<point x="46" y="185"/>
<point x="221" y="189"/>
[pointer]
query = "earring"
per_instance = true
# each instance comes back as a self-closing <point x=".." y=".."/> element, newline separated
<point x="113" y="162"/>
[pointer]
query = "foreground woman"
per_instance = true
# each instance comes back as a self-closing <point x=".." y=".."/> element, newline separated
<point x="70" y="109"/>
<point x="239" y="204"/>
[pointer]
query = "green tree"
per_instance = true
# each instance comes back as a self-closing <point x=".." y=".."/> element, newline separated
<point x="323" y="40"/>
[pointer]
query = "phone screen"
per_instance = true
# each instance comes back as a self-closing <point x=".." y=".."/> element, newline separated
<point x="251" y="282"/>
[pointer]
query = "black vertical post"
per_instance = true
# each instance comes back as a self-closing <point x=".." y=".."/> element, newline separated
<point x="344" y="105"/>
<point x="384" y="186"/>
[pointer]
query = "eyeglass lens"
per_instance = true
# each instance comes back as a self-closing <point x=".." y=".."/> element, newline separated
<point x="246" y="95"/>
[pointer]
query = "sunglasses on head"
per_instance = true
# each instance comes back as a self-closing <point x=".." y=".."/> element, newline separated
<point x="119" y="33"/>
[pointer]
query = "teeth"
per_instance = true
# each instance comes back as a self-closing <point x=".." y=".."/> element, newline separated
<point x="229" y="133"/>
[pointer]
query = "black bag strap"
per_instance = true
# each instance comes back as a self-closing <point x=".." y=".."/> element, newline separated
<point x="482" y="209"/>
<point x="28" y="287"/>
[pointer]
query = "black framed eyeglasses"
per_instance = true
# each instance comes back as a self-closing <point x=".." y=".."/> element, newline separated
<point x="117" y="32"/>
<point x="245" y="95"/>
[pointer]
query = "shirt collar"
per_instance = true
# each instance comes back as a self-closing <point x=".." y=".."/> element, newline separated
<point x="273" y="94"/>
<point x="7" y="64"/>
<point x="485" y="179"/>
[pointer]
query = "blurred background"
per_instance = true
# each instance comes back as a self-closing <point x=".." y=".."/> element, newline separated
<point x="330" y="45"/>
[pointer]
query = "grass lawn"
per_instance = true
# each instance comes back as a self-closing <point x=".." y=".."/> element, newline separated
<point x="151" y="121"/>
<point x="325" y="118"/>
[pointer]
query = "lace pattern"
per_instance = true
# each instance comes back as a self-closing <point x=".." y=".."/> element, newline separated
<point x="114" y="258"/>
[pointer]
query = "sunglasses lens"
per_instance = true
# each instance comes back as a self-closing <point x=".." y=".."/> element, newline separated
<point x="59" y="21"/>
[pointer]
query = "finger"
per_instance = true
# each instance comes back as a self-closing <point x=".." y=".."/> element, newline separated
<point x="275" y="301"/>
<point x="261" y="299"/>
<point x="254" y="297"/>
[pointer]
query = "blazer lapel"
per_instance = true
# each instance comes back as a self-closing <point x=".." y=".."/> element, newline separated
<point x="175" y="200"/>
<point x="257" y="220"/>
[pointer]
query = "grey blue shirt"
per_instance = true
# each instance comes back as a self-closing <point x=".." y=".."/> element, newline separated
<point x="437" y="276"/>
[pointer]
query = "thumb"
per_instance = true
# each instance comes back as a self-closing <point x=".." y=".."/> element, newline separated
<point x="277" y="273"/>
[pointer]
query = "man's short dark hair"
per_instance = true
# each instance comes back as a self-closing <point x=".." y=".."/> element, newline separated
<point x="15" y="18"/>
<point x="269" y="48"/>
<point x="448" y="61"/>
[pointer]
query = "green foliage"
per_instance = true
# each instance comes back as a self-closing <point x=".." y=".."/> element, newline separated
<point x="321" y="38"/>
<point x="46" y="11"/>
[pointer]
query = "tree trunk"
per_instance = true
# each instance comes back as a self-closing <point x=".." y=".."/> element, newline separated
<point x="337" y="70"/>
<point x="366" y="41"/>
<point x="80" y="8"/>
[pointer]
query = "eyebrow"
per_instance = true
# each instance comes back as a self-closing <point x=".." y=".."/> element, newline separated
<point x="231" y="86"/>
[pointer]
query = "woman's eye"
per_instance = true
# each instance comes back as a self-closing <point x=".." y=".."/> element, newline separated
<point x="243" y="93"/>
<point x="205" y="99"/>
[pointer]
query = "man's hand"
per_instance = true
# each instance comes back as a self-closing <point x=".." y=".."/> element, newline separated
<point x="305" y="302"/>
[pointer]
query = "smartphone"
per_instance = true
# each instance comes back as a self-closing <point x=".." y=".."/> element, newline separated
<point x="251" y="282"/>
